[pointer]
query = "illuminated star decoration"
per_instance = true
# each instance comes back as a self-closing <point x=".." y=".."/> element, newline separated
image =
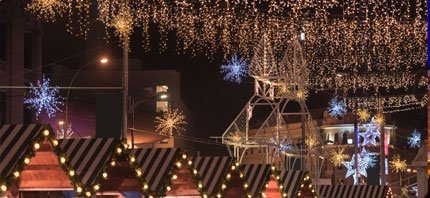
<point x="372" y="132"/>
<point x="171" y="122"/>
<point x="235" y="70"/>
<point x="363" y="115"/>
<point x="398" y="165"/>
<point x="338" y="156"/>
<point x="45" y="98"/>
<point x="65" y="131"/>
<point x="415" y="139"/>
<point x="365" y="161"/>
<point x="336" y="107"/>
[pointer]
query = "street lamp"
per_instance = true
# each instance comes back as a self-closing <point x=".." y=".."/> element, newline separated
<point x="131" y="108"/>
<point x="103" y="60"/>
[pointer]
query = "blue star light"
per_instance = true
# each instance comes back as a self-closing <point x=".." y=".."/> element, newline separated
<point x="336" y="107"/>
<point x="45" y="98"/>
<point x="372" y="132"/>
<point x="235" y="70"/>
<point x="415" y="139"/>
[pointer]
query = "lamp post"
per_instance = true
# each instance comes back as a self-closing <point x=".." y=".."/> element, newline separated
<point x="162" y="95"/>
<point x="124" y="87"/>
<point x="103" y="60"/>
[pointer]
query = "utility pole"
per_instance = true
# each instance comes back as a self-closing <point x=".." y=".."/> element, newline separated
<point x="124" y="87"/>
<point x="357" y="142"/>
<point x="382" y="144"/>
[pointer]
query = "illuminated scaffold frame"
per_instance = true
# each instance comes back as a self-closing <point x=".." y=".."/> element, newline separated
<point x="275" y="86"/>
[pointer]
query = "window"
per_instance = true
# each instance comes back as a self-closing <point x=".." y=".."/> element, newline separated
<point x="162" y="106"/>
<point x="3" y="41"/>
<point x="161" y="89"/>
<point x="28" y="50"/>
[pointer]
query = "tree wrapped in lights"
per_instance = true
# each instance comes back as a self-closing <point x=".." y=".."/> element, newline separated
<point x="235" y="70"/>
<point x="336" y="108"/>
<point x="65" y="131"/>
<point x="414" y="140"/>
<point x="44" y="98"/>
<point x="397" y="164"/>
<point x="171" y="122"/>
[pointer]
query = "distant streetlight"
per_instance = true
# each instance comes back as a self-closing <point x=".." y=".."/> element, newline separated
<point x="164" y="96"/>
<point x="61" y="122"/>
<point x="104" y="60"/>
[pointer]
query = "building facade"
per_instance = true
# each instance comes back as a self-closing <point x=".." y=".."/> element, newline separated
<point x="20" y="60"/>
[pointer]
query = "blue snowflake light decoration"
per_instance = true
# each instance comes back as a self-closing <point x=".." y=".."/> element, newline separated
<point x="45" y="98"/>
<point x="367" y="159"/>
<point x="235" y="70"/>
<point x="283" y="145"/>
<point x="336" y="107"/>
<point x="415" y="139"/>
<point x="372" y="132"/>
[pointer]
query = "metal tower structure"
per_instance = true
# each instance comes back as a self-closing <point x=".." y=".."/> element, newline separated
<point x="264" y="121"/>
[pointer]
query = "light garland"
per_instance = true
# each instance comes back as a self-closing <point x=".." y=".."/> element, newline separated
<point x="47" y="10"/>
<point x="171" y="122"/>
<point x="45" y="135"/>
<point x="45" y="98"/>
<point x="388" y="103"/>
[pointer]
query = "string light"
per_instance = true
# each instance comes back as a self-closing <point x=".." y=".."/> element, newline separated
<point x="47" y="10"/>
<point x="388" y="103"/>
<point x="171" y="122"/>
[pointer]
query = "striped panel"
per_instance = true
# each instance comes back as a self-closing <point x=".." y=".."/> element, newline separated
<point x="155" y="164"/>
<point x="212" y="170"/>
<point x="256" y="176"/>
<point x="88" y="157"/>
<point x="352" y="191"/>
<point x="291" y="181"/>
<point x="15" y="142"/>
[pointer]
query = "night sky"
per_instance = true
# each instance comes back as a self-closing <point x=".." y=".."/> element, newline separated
<point x="213" y="102"/>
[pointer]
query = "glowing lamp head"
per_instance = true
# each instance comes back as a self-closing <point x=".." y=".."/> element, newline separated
<point x="62" y="160"/>
<point x="88" y="194"/>
<point x="71" y="173"/>
<point x="105" y="175"/>
<point x="3" y="187"/>
<point x="16" y="174"/>
<point x="104" y="60"/>
<point x="26" y="160"/>
<point x="174" y="177"/>
<point x="168" y="188"/>
<point x="96" y="187"/>
<point x="36" y="146"/>
<point x="78" y="189"/>
<point x="46" y="132"/>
